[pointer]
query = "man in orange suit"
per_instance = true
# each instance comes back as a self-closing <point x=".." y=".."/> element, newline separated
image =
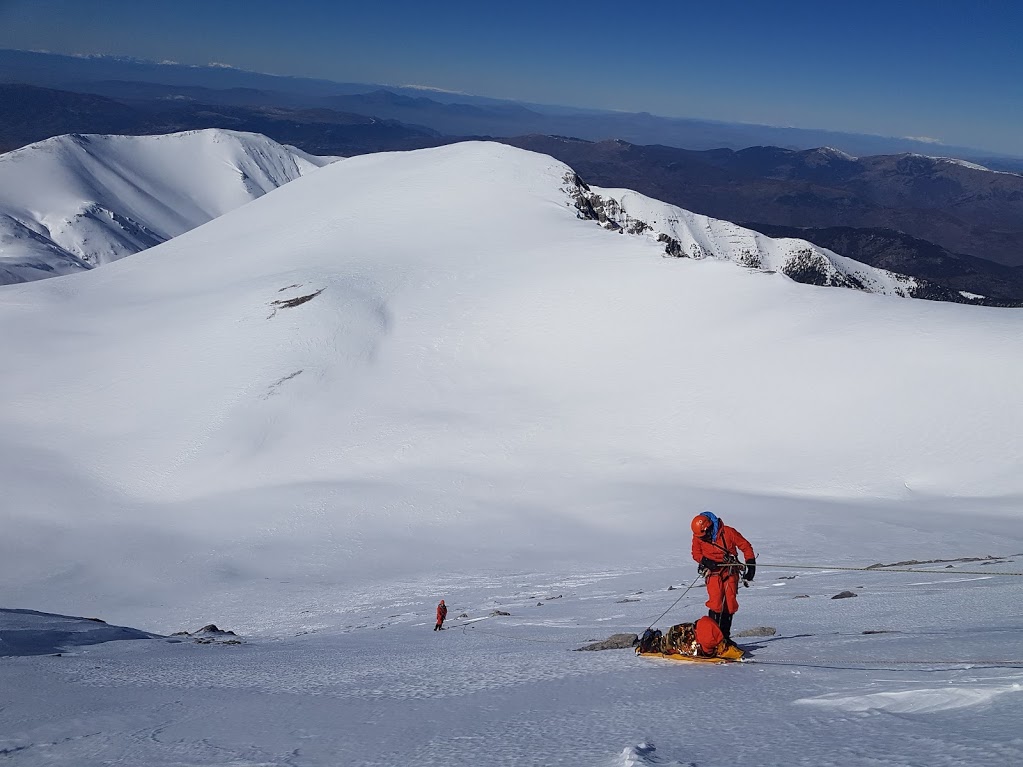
<point x="716" y="547"/>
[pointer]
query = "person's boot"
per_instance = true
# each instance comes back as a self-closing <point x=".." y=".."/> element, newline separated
<point x="726" y="626"/>
<point x="716" y="617"/>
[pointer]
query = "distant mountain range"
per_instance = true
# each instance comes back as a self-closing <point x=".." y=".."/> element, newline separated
<point x="452" y="114"/>
<point x="72" y="203"/>
<point x="30" y="113"/>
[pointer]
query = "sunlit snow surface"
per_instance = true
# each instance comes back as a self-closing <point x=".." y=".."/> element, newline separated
<point x="412" y="376"/>
<point x="74" y="202"/>
<point x="376" y="686"/>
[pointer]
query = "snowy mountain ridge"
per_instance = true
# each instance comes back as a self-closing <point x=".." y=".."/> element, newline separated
<point x="691" y="235"/>
<point x="75" y="202"/>
<point x="70" y="203"/>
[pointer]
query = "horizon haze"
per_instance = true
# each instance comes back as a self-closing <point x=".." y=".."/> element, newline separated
<point x="945" y="76"/>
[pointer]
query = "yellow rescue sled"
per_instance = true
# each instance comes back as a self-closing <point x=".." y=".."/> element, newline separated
<point x="682" y="642"/>
<point x="730" y="654"/>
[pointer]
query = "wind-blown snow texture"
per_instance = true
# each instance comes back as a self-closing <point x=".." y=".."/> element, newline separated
<point x="74" y="202"/>
<point x="420" y="375"/>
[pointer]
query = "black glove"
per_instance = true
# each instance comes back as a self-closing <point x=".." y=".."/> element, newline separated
<point x="709" y="564"/>
<point x="751" y="570"/>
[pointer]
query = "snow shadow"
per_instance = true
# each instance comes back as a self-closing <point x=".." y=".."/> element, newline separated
<point x="27" y="632"/>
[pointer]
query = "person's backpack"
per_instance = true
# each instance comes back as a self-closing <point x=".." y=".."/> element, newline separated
<point x="650" y="641"/>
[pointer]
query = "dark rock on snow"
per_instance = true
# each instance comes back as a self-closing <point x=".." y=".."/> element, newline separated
<point x="210" y="634"/>
<point x="845" y="595"/>
<point x="758" y="631"/>
<point x="613" y="642"/>
<point x="211" y="628"/>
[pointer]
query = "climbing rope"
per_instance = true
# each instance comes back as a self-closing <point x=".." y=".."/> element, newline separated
<point x="881" y="569"/>
<point x="849" y="665"/>
<point x="888" y="665"/>
<point x="675" y="602"/>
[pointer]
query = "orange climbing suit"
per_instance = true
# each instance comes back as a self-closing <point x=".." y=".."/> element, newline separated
<point x="723" y="583"/>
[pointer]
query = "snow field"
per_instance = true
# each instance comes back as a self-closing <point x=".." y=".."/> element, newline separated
<point x="374" y="685"/>
<point x="419" y="375"/>
<point x="483" y="378"/>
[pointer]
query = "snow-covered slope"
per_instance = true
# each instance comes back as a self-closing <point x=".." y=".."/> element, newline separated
<point x="691" y="235"/>
<point x="434" y="343"/>
<point x="74" y="202"/>
<point x="371" y="684"/>
<point x="420" y="375"/>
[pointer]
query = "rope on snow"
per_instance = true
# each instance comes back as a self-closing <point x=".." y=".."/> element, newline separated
<point x="881" y="569"/>
<point x="675" y="602"/>
<point x="888" y="665"/>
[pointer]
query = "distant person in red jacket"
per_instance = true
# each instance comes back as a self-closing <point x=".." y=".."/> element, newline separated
<point x="715" y="547"/>
<point x="442" y="613"/>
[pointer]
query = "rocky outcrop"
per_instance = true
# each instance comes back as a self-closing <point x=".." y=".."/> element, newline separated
<point x="613" y="642"/>
<point x="689" y="235"/>
<point x="210" y="634"/>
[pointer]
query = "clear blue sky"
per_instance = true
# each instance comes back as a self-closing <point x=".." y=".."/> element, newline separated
<point x="948" y="70"/>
